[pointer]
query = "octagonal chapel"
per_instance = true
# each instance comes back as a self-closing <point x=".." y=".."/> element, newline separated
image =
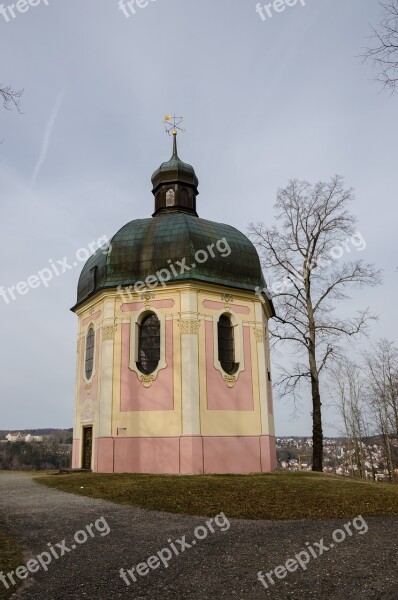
<point x="173" y="364"/>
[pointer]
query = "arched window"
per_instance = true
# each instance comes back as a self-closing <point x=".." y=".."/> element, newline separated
<point x="226" y="345"/>
<point x="90" y="343"/>
<point x="148" y="344"/>
<point x="185" y="197"/>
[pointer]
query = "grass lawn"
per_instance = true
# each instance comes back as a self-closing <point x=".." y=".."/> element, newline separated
<point x="10" y="558"/>
<point x="295" y="495"/>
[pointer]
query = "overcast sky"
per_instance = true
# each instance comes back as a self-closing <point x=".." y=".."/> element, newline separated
<point x="263" y="101"/>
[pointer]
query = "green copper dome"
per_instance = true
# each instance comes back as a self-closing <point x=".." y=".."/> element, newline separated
<point x="176" y="239"/>
<point x="145" y="246"/>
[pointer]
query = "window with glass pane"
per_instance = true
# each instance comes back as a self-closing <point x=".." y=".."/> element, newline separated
<point x="149" y="344"/>
<point x="90" y="342"/>
<point x="226" y="345"/>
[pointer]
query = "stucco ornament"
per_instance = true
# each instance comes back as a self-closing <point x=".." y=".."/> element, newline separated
<point x="108" y="333"/>
<point x="87" y="414"/>
<point x="228" y="299"/>
<point x="187" y="326"/>
<point x="230" y="380"/>
<point x="147" y="380"/>
<point x="148" y="297"/>
<point x="259" y="334"/>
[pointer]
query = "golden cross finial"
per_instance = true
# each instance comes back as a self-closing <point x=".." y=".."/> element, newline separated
<point x="172" y="124"/>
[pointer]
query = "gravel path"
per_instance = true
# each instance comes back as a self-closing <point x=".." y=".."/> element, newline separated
<point x="223" y="565"/>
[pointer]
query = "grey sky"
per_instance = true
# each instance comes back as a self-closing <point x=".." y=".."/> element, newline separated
<point x="262" y="101"/>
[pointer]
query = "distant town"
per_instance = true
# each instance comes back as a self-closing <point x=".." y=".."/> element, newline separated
<point x="365" y="459"/>
<point x="52" y="449"/>
<point x="23" y="437"/>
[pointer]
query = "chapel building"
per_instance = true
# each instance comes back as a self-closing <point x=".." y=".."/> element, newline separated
<point x="173" y="360"/>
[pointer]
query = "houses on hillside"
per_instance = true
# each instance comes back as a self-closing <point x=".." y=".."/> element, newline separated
<point x="23" y="437"/>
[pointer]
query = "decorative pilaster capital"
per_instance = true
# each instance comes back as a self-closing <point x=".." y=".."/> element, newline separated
<point x="108" y="333"/>
<point x="189" y="326"/>
<point x="259" y="335"/>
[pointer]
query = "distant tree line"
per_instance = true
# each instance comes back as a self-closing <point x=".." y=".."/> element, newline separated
<point x="21" y="456"/>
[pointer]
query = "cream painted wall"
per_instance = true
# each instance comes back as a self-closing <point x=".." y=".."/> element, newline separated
<point x="190" y="415"/>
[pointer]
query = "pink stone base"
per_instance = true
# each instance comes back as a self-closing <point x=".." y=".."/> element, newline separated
<point x="76" y="454"/>
<point x="187" y="455"/>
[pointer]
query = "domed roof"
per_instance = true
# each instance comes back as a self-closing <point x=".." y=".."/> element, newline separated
<point x="145" y="246"/>
<point x="176" y="239"/>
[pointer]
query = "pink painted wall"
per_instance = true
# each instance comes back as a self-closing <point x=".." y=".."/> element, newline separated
<point x="268" y="453"/>
<point x="84" y="396"/>
<point x="136" y="397"/>
<point x="93" y="317"/>
<point x="191" y="455"/>
<point x="147" y="455"/>
<point x="219" y="395"/>
<point x="231" y="454"/>
<point x="104" y="455"/>
<point x="186" y="455"/>
<point x="135" y="306"/>
<point x="244" y="310"/>
<point x="76" y="454"/>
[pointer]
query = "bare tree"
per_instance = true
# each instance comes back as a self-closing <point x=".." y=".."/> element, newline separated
<point x="382" y="55"/>
<point x="302" y="254"/>
<point x="11" y="98"/>
<point x="347" y="384"/>
<point x="381" y="368"/>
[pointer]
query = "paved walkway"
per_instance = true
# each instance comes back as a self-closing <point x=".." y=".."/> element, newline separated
<point x="224" y="565"/>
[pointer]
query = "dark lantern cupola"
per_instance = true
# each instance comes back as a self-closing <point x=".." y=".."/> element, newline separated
<point x="175" y="185"/>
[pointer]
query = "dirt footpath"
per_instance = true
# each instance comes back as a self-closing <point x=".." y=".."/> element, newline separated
<point x="83" y="544"/>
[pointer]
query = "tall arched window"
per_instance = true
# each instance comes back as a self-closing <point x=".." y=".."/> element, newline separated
<point x="226" y="345"/>
<point x="90" y="343"/>
<point x="148" y="344"/>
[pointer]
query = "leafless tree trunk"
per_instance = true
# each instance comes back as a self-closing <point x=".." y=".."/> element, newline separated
<point x="383" y="54"/>
<point x="381" y="367"/>
<point x="347" y="387"/>
<point x="303" y="255"/>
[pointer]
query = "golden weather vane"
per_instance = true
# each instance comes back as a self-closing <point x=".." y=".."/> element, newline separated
<point x="172" y="124"/>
